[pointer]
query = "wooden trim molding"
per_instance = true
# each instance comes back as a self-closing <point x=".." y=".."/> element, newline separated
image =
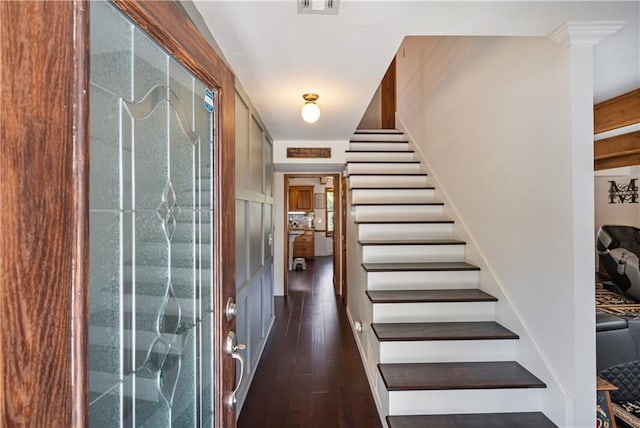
<point x="44" y="221"/>
<point x="621" y="150"/>
<point x="617" y="112"/>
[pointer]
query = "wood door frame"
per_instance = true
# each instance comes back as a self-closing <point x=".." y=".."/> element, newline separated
<point x="45" y="235"/>
<point x="337" y="208"/>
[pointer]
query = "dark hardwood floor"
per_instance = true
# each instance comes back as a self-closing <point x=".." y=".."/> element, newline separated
<point x="310" y="374"/>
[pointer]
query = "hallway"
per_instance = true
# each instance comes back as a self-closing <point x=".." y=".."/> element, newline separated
<point x="310" y="374"/>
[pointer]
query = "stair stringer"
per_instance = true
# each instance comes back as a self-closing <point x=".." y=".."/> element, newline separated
<point x="529" y="353"/>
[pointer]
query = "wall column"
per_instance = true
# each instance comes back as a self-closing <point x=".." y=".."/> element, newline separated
<point x="580" y="38"/>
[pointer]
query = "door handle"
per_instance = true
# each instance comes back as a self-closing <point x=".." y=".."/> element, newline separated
<point x="232" y="347"/>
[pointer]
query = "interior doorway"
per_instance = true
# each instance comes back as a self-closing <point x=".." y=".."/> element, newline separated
<point x="313" y="223"/>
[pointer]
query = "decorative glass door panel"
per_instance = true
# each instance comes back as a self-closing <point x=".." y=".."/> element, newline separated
<point x="151" y="240"/>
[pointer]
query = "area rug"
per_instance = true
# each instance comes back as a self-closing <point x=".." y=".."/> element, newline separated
<point x="616" y="304"/>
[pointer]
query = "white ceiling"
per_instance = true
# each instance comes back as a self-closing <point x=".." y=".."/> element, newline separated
<point x="278" y="54"/>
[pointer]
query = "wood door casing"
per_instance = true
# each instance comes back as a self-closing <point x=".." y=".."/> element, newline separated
<point x="44" y="224"/>
<point x="44" y="162"/>
<point x="337" y="268"/>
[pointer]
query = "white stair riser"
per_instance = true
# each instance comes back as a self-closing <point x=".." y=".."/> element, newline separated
<point x="465" y="401"/>
<point x="399" y="212"/>
<point x="379" y="137"/>
<point x="431" y="280"/>
<point x="388" y="157"/>
<point x="401" y="231"/>
<point x="366" y="196"/>
<point x="373" y="146"/>
<point x="412" y="253"/>
<point x="433" y="312"/>
<point x="383" y="168"/>
<point x="441" y="351"/>
<point x="388" y="181"/>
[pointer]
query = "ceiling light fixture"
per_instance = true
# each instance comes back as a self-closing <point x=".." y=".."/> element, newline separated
<point x="310" y="110"/>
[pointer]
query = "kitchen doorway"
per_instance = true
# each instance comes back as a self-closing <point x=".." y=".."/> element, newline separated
<point x="312" y="223"/>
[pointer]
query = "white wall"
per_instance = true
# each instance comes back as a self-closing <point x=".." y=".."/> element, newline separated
<point x="372" y="118"/>
<point x="617" y="59"/>
<point x="492" y="116"/>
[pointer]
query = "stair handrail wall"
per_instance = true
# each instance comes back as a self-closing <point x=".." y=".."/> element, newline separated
<point x="528" y="350"/>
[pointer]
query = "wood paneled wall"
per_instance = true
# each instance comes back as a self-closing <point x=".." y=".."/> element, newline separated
<point x="621" y="150"/>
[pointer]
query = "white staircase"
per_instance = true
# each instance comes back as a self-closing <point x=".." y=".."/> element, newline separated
<point x="442" y="359"/>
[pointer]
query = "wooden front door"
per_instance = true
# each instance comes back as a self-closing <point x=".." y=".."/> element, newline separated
<point x="114" y="282"/>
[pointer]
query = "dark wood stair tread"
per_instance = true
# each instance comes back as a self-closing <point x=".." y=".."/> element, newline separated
<point x="477" y="420"/>
<point x="378" y="242"/>
<point x="385" y="131"/>
<point x="400" y="204"/>
<point x="447" y="376"/>
<point x="417" y="267"/>
<point x="389" y="173"/>
<point x="379" y="151"/>
<point x="383" y="161"/>
<point x="400" y="221"/>
<point x="419" y="296"/>
<point x="419" y="187"/>
<point x="482" y="330"/>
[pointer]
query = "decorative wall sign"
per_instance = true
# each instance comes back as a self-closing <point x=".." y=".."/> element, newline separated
<point x="309" y="152"/>
<point x="619" y="193"/>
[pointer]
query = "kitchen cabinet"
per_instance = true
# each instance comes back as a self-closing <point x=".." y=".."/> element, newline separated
<point x="304" y="245"/>
<point x="301" y="198"/>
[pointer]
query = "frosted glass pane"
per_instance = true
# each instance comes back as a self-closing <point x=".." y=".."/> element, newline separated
<point x="151" y="408"/>
<point x="241" y="244"/>
<point x="242" y="144"/>
<point x="206" y="264"/>
<point x="105" y="411"/>
<point x="150" y="65"/>
<point x="104" y="302"/>
<point x="151" y="243"/>
<point x="151" y="158"/>
<point x="105" y="141"/>
<point x="110" y="50"/>
<point x="181" y="83"/>
<point x="182" y="154"/>
<point x="255" y="236"/>
<point x="184" y="403"/>
<point x="207" y="367"/>
<point x="256" y="157"/>
<point x="152" y="280"/>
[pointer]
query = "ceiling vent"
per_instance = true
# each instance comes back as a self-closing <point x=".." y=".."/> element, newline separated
<point x="318" y="7"/>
